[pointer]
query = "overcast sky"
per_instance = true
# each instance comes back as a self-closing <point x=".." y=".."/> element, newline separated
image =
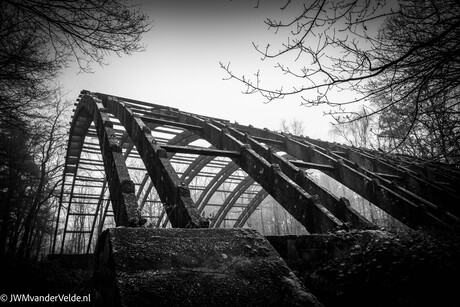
<point x="180" y="67"/>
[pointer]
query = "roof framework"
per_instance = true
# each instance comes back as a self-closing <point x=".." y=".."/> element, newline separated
<point x="136" y="164"/>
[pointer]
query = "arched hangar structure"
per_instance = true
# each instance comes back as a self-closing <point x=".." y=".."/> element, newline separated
<point x="136" y="164"/>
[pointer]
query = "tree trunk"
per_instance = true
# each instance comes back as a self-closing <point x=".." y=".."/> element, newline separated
<point x="6" y="220"/>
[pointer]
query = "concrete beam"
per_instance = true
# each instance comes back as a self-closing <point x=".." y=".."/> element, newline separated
<point x="410" y="209"/>
<point x="340" y="207"/>
<point x="173" y="193"/>
<point x="121" y="187"/>
<point x="305" y="208"/>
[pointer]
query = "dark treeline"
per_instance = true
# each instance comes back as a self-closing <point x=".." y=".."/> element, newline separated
<point x="31" y="164"/>
<point x="37" y="40"/>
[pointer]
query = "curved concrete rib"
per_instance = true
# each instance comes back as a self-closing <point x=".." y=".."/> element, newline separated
<point x="121" y="187"/>
<point x="231" y="200"/>
<point x="416" y="199"/>
<point x="250" y="208"/>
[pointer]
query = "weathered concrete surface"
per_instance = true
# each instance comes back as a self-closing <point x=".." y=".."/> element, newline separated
<point x="193" y="267"/>
<point x="375" y="268"/>
<point x="307" y="253"/>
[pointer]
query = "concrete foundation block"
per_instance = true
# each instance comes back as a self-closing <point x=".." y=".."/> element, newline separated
<point x="193" y="267"/>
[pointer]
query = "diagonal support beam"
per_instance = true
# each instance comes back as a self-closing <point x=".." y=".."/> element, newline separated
<point x="401" y="204"/>
<point x="173" y="193"/>
<point x="304" y="207"/>
<point x="340" y="207"/>
<point x="405" y="177"/>
<point x="121" y="187"/>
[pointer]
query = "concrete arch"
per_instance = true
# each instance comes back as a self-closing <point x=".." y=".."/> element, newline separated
<point x="231" y="200"/>
<point x="405" y="189"/>
<point x="122" y="192"/>
<point x="215" y="183"/>
<point x="257" y="160"/>
<point x="250" y="208"/>
<point x="121" y="187"/>
<point x="173" y="193"/>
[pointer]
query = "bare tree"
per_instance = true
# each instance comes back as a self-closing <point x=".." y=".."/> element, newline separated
<point x="38" y="38"/>
<point x="433" y="134"/>
<point x="16" y="176"/>
<point x="357" y="132"/>
<point x="294" y="126"/>
<point x="32" y="164"/>
<point x="398" y="53"/>
<point x="49" y="139"/>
